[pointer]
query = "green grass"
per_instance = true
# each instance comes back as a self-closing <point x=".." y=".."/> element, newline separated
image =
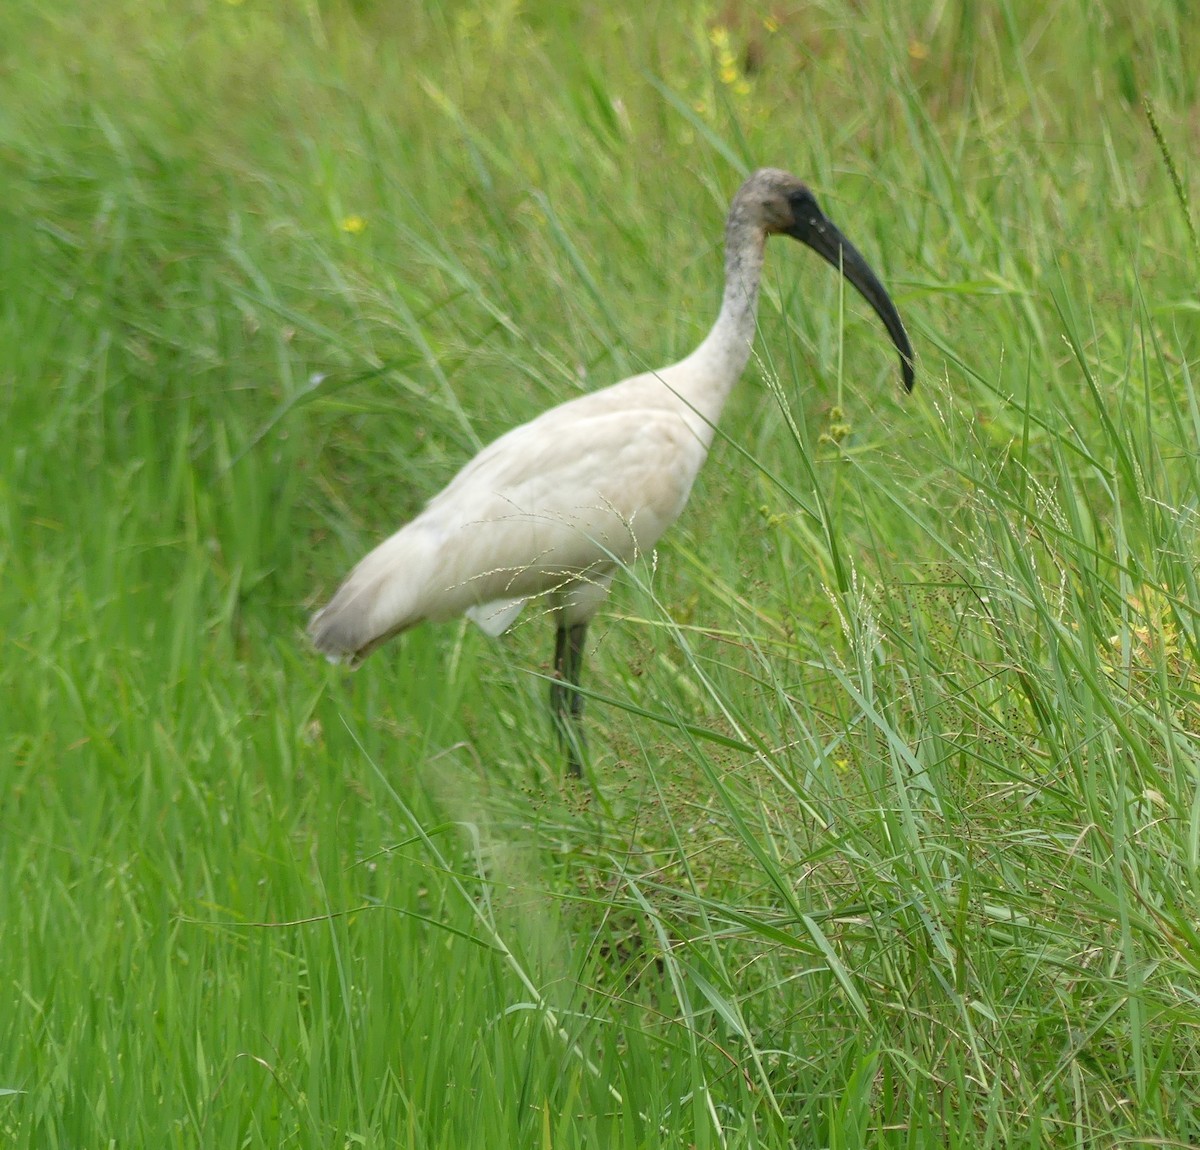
<point x="891" y="836"/>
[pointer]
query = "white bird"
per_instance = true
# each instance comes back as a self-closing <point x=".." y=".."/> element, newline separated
<point x="552" y="509"/>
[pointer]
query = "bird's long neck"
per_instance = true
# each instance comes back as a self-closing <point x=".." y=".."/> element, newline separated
<point x="716" y="365"/>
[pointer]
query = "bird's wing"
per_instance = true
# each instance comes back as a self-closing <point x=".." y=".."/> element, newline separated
<point x="553" y="500"/>
<point x="627" y="464"/>
<point x="552" y="506"/>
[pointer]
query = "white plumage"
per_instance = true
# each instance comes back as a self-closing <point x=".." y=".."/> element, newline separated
<point x="554" y="507"/>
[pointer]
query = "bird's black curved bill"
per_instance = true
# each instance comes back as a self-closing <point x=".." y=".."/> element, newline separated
<point x="815" y="230"/>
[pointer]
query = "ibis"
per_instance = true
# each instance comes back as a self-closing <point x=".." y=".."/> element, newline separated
<point x="554" y="508"/>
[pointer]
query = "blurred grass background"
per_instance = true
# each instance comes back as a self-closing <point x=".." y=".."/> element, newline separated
<point x="892" y="835"/>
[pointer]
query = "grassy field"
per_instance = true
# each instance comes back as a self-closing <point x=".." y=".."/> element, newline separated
<point x="891" y="830"/>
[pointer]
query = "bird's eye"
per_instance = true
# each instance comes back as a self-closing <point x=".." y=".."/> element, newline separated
<point x="804" y="207"/>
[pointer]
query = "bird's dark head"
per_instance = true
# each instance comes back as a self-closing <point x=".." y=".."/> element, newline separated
<point x="784" y="205"/>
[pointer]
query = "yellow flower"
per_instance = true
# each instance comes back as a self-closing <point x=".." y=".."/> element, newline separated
<point x="353" y="225"/>
<point x="719" y="37"/>
<point x="917" y="50"/>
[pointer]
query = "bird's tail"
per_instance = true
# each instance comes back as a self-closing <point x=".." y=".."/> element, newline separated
<point x="379" y="598"/>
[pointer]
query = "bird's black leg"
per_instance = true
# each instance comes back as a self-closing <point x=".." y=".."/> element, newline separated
<point x="566" y="703"/>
